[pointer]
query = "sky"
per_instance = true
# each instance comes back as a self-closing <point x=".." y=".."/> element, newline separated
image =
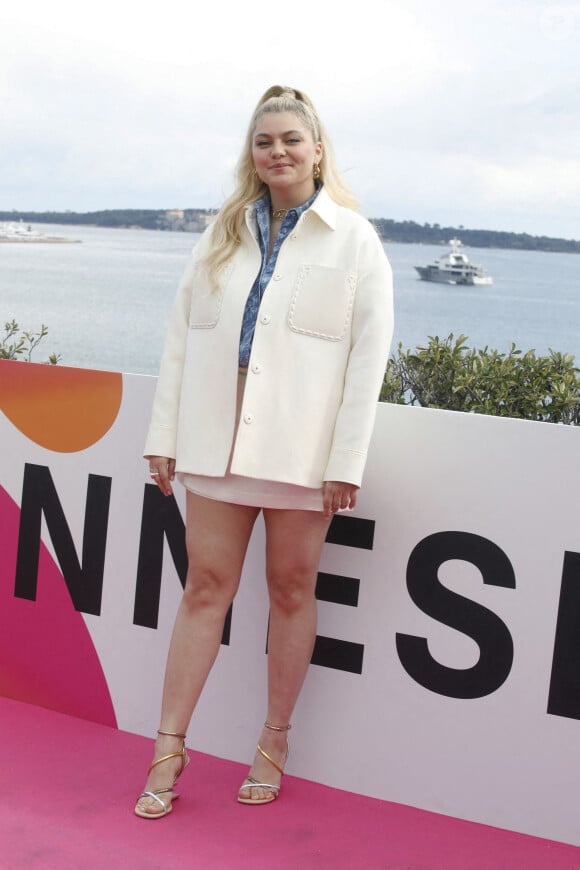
<point x="458" y="113"/>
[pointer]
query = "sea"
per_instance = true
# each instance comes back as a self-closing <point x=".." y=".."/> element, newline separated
<point x="106" y="299"/>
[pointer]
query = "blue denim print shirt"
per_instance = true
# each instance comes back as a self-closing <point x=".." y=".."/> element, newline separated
<point x="267" y="267"/>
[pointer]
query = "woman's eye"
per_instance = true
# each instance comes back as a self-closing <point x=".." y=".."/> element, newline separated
<point x="262" y="144"/>
<point x="293" y="141"/>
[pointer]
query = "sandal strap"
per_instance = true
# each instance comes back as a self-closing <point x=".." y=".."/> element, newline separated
<point x="155" y="796"/>
<point x="182" y="755"/>
<point x="277" y="727"/>
<point x="252" y="783"/>
<point x="172" y="734"/>
<point x="156" y="792"/>
<point x="270" y="759"/>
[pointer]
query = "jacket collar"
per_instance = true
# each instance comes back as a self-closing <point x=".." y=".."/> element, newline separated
<point x="323" y="206"/>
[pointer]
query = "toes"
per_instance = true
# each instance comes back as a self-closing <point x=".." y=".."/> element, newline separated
<point x="255" y="793"/>
<point x="246" y="792"/>
<point x="147" y="805"/>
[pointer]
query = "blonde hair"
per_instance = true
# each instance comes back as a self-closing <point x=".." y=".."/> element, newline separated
<point x="226" y="231"/>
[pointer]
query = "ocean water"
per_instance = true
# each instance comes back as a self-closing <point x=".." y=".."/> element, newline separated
<point x="106" y="301"/>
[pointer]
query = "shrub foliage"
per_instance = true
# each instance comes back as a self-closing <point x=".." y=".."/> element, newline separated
<point x="18" y="344"/>
<point x="446" y="373"/>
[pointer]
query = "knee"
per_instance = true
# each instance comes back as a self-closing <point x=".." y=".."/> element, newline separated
<point x="208" y="589"/>
<point x="291" y="590"/>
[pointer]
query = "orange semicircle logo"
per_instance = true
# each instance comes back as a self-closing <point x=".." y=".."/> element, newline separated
<point x="60" y="408"/>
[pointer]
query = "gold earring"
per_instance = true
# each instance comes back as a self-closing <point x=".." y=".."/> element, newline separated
<point x="316" y="171"/>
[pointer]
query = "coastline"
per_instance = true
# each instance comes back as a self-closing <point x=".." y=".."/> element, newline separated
<point x="46" y="241"/>
<point x="195" y="220"/>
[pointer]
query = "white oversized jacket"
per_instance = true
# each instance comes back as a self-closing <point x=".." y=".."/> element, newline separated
<point x="319" y="352"/>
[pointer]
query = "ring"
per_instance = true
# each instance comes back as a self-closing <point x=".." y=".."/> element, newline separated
<point x="154" y="474"/>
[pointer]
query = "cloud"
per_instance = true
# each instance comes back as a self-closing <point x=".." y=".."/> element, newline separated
<point x="434" y="109"/>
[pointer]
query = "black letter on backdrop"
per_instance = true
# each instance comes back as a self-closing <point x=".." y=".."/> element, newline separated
<point x="39" y="496"/>
<point x="161" y="519"/>
<point x="434" y="599"/>
<point x="332" y="652"/>
<point x="564" y="697"/>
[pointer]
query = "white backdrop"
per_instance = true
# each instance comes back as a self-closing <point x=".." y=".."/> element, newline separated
<point x="498" y="758"/>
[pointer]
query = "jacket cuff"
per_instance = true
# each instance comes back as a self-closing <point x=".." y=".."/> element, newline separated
<point x="346" y="466"/>
<point x="160" y="442"/>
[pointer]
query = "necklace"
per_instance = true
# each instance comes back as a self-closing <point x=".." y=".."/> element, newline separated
<point x="279" y="213"/>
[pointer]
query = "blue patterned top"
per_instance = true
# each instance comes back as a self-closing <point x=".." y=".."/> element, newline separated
<point x="268" y="265"/>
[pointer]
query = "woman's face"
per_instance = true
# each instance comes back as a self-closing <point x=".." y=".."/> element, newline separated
<point x="284" y="154"/>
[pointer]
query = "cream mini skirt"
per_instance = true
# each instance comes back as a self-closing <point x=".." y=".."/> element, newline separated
<point x="237" y="489"/>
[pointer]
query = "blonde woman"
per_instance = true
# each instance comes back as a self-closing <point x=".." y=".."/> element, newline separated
<point x="265" y="401"/>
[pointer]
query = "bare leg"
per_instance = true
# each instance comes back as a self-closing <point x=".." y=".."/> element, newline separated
<point x="217" y="536"/>
<point x="294" y="541"/>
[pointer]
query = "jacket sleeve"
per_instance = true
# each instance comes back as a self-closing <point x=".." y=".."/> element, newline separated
<point x="162" y="435"/>
<point x="372" y="332"/>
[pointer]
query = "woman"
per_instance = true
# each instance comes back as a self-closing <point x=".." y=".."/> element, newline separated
<point x="265" y="401"/>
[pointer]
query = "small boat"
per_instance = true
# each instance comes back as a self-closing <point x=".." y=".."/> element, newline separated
<point x="454" y="268"/>
<point x="18" y="231"/>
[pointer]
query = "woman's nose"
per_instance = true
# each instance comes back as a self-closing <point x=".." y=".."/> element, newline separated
<point x="278" y="148"/>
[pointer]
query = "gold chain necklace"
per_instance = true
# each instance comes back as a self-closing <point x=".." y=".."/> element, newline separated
<point x="279" y="213"/>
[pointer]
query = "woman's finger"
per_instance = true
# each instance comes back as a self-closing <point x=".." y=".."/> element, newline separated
<point x="162" y="471"/>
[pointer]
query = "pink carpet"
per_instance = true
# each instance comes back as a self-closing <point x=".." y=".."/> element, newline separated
<point x="69" y="785"/>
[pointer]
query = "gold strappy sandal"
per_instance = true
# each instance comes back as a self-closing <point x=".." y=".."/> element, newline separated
<point x="250" y="782"/>
<point x="166" y="808"/>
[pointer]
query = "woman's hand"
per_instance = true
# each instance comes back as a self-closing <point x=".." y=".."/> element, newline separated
<point x="338" y="496"/>
<point x="162" y="471"/>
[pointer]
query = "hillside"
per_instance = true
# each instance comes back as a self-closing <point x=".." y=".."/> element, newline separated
<point x="196" y="220"/>
<point x="434" y="234"/>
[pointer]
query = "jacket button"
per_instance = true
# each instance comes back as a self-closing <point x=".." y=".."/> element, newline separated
<point x="265" y="318"/>
<point x="256" y="368"/>
<point x="277" y="276"/>
<point x="248" y="418"/>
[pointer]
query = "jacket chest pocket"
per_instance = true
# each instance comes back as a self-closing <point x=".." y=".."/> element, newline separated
<point x="322" y="301"/>
<point x="206" y="302"/>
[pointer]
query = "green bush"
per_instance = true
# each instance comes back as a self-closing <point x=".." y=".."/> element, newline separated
<point x="18" y="344"/>
<point x="446" y="373"/>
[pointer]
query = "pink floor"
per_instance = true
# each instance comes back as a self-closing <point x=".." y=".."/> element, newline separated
<point x="68" y="789"/>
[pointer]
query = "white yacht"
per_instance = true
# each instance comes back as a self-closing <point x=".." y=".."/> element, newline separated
<point x="17" y="231"/>
<point x="454" y="268"/>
